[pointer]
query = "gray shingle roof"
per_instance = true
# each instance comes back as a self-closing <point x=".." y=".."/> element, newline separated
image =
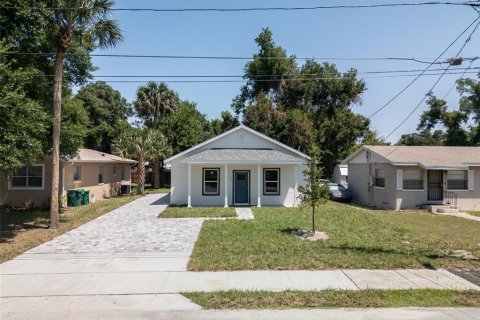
<point x="242" y="155"/>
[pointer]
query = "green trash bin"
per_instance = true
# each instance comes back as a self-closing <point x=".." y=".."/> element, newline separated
<point x="74" y="197"/>
<point x="85" y="197"/>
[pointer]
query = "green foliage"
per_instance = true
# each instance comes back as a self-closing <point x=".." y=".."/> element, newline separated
<point x="155" y="102"/>
<point x="313" y="193"/>
<point x="75" y="123"/>
<point x="107" y="110"/>
<point x="186" y="127"/>
<point x="137" y="143"/>
<point x="23" y="122"/>
<point x="226" y="122"/>
<point x="303" y="105"/>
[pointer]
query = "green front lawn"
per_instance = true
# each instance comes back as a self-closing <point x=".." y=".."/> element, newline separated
<point x="359" y="238"/>
<point x="335" y="299"/>
<point x="474" y="213"/>
<point x="197" y="212"/>
<point x="21" y="231"/>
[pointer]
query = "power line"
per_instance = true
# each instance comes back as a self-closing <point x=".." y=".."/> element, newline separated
<point x="250" y="9"/>
<point x="435" y="84"/>
<point x="416" y="78"/>
<point x="461" y="77"/>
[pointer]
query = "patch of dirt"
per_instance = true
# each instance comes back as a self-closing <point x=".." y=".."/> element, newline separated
<point x="310" y="235"/>
<point x="462" y="254"/>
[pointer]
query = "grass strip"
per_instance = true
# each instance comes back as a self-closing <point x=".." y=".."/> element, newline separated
<point x="197" y="212"/>
<point x="335" y="299"/>
<point x="21" y="231"/>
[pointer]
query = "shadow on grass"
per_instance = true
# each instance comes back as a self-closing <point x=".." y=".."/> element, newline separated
<point x="15" y="221"/>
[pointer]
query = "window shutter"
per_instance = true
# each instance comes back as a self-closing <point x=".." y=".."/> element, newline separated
<point x="471" y="182"/>
<point x="399" y="179"/>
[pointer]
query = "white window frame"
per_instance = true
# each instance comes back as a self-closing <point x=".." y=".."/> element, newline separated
<point x="384" y="179"/>
<point x="466" y="176"/>
<point x="101" y="171"/>
<point x="269" y="193"/>
<point x="421" y="179"/>
<point x="79" y="173"/>
<point x="10" y="187"/>
<point x="204" y="193"/>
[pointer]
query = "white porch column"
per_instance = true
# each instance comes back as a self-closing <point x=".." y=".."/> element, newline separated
<point x="189" y="204"/>
<point x="226" y="186"/>
<point x="296" y="186"/>
<point x="259" y="183"/>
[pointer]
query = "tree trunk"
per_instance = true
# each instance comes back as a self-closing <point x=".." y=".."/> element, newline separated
<point x="156" y="174"/>
<point x="57" y="119"/>
<point x="163" y="177"/>
<point x="141" y="175"/>
<point x="313" y="219"/>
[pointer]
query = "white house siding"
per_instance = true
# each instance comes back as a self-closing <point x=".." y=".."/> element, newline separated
<point x="469" y="200"/>
<point x="179" y="190"/>
<point x="409" y="199"/>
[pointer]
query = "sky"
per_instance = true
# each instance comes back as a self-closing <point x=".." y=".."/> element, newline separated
<point x="420" y="32"/>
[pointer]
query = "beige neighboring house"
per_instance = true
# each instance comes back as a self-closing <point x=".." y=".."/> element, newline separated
<point x="102" y="173"/>
<point x="240" y="167"/>
<point x="407" y="177"/>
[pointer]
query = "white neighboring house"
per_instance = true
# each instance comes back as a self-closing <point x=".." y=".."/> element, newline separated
<point x="340" y="175"/>
<point x="240" y="167"/>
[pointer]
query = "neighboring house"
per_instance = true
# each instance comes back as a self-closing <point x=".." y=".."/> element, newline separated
<point x="238" y="167"/>
<point x="340" y="175"/>
<point x="398" y="177"/>
<point x="101" y="173"/>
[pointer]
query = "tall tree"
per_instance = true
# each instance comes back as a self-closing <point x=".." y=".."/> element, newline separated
<point x="186" y="127"/>
<point x="469" y="90"/>
<point x="141" y="144"/>
<point x="107" y="110"/>
<point x="313" y="193"/>
<point x="86" y="23"/>
<point x="226" y="122"/>
<point x="154" y="103"/>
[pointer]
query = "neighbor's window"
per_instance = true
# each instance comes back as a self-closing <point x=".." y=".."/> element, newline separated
<point x="211" y="181"/>
<point x="122" y="172"/>
<point x="100" y="174"/>
<point x="457" y="180"/>
<point x="114" y="170"/>
<point x="412" y="179"/>
<point x="380" y="178"/>
<point x="28" y="177"/>
<point x="77" y="173"/>
<point x="271" y="181"/>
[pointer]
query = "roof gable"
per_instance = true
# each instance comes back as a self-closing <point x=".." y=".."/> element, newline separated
<point x="240" y="137"/>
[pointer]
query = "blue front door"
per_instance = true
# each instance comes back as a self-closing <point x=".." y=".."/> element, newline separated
<point x="241" y="187"/>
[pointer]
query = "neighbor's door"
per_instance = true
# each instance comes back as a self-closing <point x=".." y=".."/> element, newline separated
<point x="435" y="185"/>
<point x="241" y="185"/>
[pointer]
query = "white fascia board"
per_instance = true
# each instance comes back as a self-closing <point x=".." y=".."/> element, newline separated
<point x="243" y="162"/>
<point x="232" y="131"/>
<point x="364" y="148"/>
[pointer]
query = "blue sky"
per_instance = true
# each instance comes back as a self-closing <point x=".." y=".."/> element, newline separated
<point x="421" y="32"/>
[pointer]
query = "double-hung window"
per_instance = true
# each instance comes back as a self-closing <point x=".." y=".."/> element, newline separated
<point x="77" y="173"/>
<point x="100" y="175"/>
<point x="122" y="173"/>
<point x="380" y="178"/>
<point x="412" y="179"/>
<point x="28" y="177"/>
<point x="457" y="180"/>
<point x="271" y="181"/>
<point x="211" y="181"/>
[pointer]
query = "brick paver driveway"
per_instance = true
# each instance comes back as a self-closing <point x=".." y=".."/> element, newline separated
<point x="133" y="227"/>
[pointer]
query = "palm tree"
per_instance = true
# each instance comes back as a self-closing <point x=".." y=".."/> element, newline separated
<point x="154" y="103"/>
<point x="87" y="23"/>
<point x="141" y="144"/>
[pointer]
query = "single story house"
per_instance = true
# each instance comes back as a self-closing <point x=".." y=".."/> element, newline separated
<point x="405" y="177"/>
<point x="340" y="174"/>
<point x="240" y="167"/>
<point x="101" y="173"/>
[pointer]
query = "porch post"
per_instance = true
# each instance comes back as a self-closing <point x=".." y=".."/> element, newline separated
<point x="259" y="183"/>
<point x="296" y="186"/>
<point x="226" y="186"/>
<point x="189" y="204"/>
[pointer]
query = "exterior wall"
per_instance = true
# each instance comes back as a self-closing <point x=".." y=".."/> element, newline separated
<point x="89" y="175"/>
<point x="89" y="178"/>
<point x="358" y="183"/>
<point x="338" y="177"/>
<point x="469" y="200"/>
<point x="179" y="189"/>
<point x="411" y="199"/>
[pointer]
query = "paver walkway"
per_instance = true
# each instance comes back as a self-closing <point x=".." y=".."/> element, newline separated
<point x="244" y="213"/>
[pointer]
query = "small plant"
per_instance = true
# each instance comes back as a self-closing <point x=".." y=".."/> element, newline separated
<point x="29" y="204"/>
<point x="62" y="201"/>
<point x="313" y="194"/>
